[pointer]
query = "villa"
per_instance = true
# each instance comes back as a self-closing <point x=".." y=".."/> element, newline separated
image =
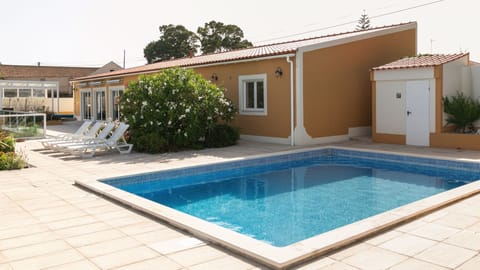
<point x="285" y="93"/>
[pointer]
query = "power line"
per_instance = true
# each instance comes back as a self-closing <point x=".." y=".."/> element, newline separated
<point x="351" y="22"/>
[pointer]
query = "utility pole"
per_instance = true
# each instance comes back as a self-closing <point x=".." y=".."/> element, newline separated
<point x="124" y="59"/>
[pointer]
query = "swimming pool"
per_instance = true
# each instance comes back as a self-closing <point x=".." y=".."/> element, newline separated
<point x="298" y="196"/>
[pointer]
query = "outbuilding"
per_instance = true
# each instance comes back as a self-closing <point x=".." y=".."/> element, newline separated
<point x="407" y="99"/>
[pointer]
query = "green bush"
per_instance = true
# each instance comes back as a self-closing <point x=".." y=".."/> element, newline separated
<point x="11" y="161"/>
<point x="7" y="142"/>
<point x="462" y="111"/>
<point x="149" y="143"/>
<point x="221" y="135"/>
<point x="177" y="105"/>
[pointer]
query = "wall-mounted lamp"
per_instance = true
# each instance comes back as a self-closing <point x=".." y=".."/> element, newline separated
<point x="278" y="72"/>
<point x="214" y="77"/>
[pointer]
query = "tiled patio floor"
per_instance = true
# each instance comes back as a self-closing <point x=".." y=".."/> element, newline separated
<point x="48" y="223"/>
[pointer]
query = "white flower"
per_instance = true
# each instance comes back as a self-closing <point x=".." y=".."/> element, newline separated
<point x="209" y="118"/>
<point x="169" y="122"/>
<point x="144" y="103"/>
<point x="181" y="117"/>
<point x="151" y="123"/>
<point x="187" y="110"/>
<point x="185" y="134"/>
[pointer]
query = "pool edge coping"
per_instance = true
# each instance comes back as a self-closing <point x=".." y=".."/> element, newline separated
<point x="296" y="253"/>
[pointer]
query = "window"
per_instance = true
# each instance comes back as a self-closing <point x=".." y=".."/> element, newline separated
<point x="24" y="92"/>
<point x="9" y="93"/>
<point x="115" y="95"/>
<point x="253" y="94"/>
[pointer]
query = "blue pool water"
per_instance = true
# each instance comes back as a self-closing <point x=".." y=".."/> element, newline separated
<point x="285" y="200"/>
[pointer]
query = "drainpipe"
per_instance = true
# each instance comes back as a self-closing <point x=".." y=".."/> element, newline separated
<point x="292" y="113"/>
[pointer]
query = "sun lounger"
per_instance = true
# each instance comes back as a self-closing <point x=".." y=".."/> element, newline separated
<point x="115" y="142"/>
<point x="104" y="133"/>
<point x="81" y="131"/>
<point x="91" y="133"/>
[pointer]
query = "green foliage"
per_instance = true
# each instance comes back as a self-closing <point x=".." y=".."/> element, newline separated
<point x="149" y="142"/>
<point x="462" y="111"/>
<point x="363" y="22"/>
<point x="216" y="37"/>
<point x="175" y="42"/>
<point x="7" y="142"/>
<point x="177" y="105"/>
<point x="221" y="135"/>
<point x="11" y="161"/>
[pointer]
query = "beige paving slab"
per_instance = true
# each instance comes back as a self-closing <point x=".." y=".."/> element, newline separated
<point x="472" y="264"/>
<point x="155" y="263"/>
<point x="48" y="260"/>
<point x="457" y="220"/>
<point x="383" y="259"/>
<point x="22" y="231"/>
<point x="176" y="245"/>
<point x="124" y="257"/>
<point x="78" y="265"/>
<point x="337" y="266"/>
<point x="227" y="262"/>
<point x="71" y="222"/>
<point x="143" y="227"/>
<point x="196" y="255"/>
<point x="82" y="229"/>
<point x="27" y="240"/>
<point x="108" y="246"/>
<point x="408" y="244"/>
<point x="446" y="255"/>
<point x="475" y="227"/>
<point x="414" y="264"/>
<point x="35" y="250"/>
<point x="158" y="236"/>
<point x="382" y="238"/>
<point x="316" y="264"/>
<point x="5" y="267"/>
<point x="434" y="231"/>
<point x="466" y="239"/>
<point x="92" y="238"/>
<point x="349" y="251"/>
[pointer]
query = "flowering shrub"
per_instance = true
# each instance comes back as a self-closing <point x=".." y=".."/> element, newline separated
<point x="173" y="109"/>
<point x="9" y="160"/>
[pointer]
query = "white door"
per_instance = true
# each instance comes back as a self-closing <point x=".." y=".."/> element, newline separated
<point x="417" y="111"/>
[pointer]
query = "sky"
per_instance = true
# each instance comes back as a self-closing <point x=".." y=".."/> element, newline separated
<point x="94" y="32"/>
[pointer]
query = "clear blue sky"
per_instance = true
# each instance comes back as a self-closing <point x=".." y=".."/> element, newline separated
<point x="93" y="32"/>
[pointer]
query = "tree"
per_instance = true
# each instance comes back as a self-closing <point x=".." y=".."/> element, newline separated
<point x="363" y="22"/>
<point x="462" y="111"/>
<point x="175" y="42"/>
<point x="217" y="37"/>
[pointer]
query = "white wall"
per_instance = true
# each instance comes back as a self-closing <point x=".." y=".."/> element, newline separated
<point x="390" y="110"/>
<point x="453" y="77"/>
<point x="475" y="72"/>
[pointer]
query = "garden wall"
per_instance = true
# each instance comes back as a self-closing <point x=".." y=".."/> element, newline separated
<point x="455" y="140"/>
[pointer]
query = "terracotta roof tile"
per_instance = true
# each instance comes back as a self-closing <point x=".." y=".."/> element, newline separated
<point x="236" y="55"/>
<point x="421" y="61"/>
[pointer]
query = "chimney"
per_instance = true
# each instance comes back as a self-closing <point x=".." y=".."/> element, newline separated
<point x="190" y="53"/>
<point x="38" y="64"/>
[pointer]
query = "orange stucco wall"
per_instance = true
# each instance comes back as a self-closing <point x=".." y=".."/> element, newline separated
<point x="277" y="121"/>
<point x="337" y="89"/>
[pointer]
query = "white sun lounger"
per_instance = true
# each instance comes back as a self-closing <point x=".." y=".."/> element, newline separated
<point x="81" y="131"/>
<point x="91" y="133"/>
<point x="89" y="148"/>
<point x="104" y="133"/>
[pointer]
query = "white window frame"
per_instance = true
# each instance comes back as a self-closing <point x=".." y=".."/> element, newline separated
<point x="96" y="103"/>
<point x="111" y="105"/>
<point x="242" y="80"/>
<point x="83" y="105"/>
